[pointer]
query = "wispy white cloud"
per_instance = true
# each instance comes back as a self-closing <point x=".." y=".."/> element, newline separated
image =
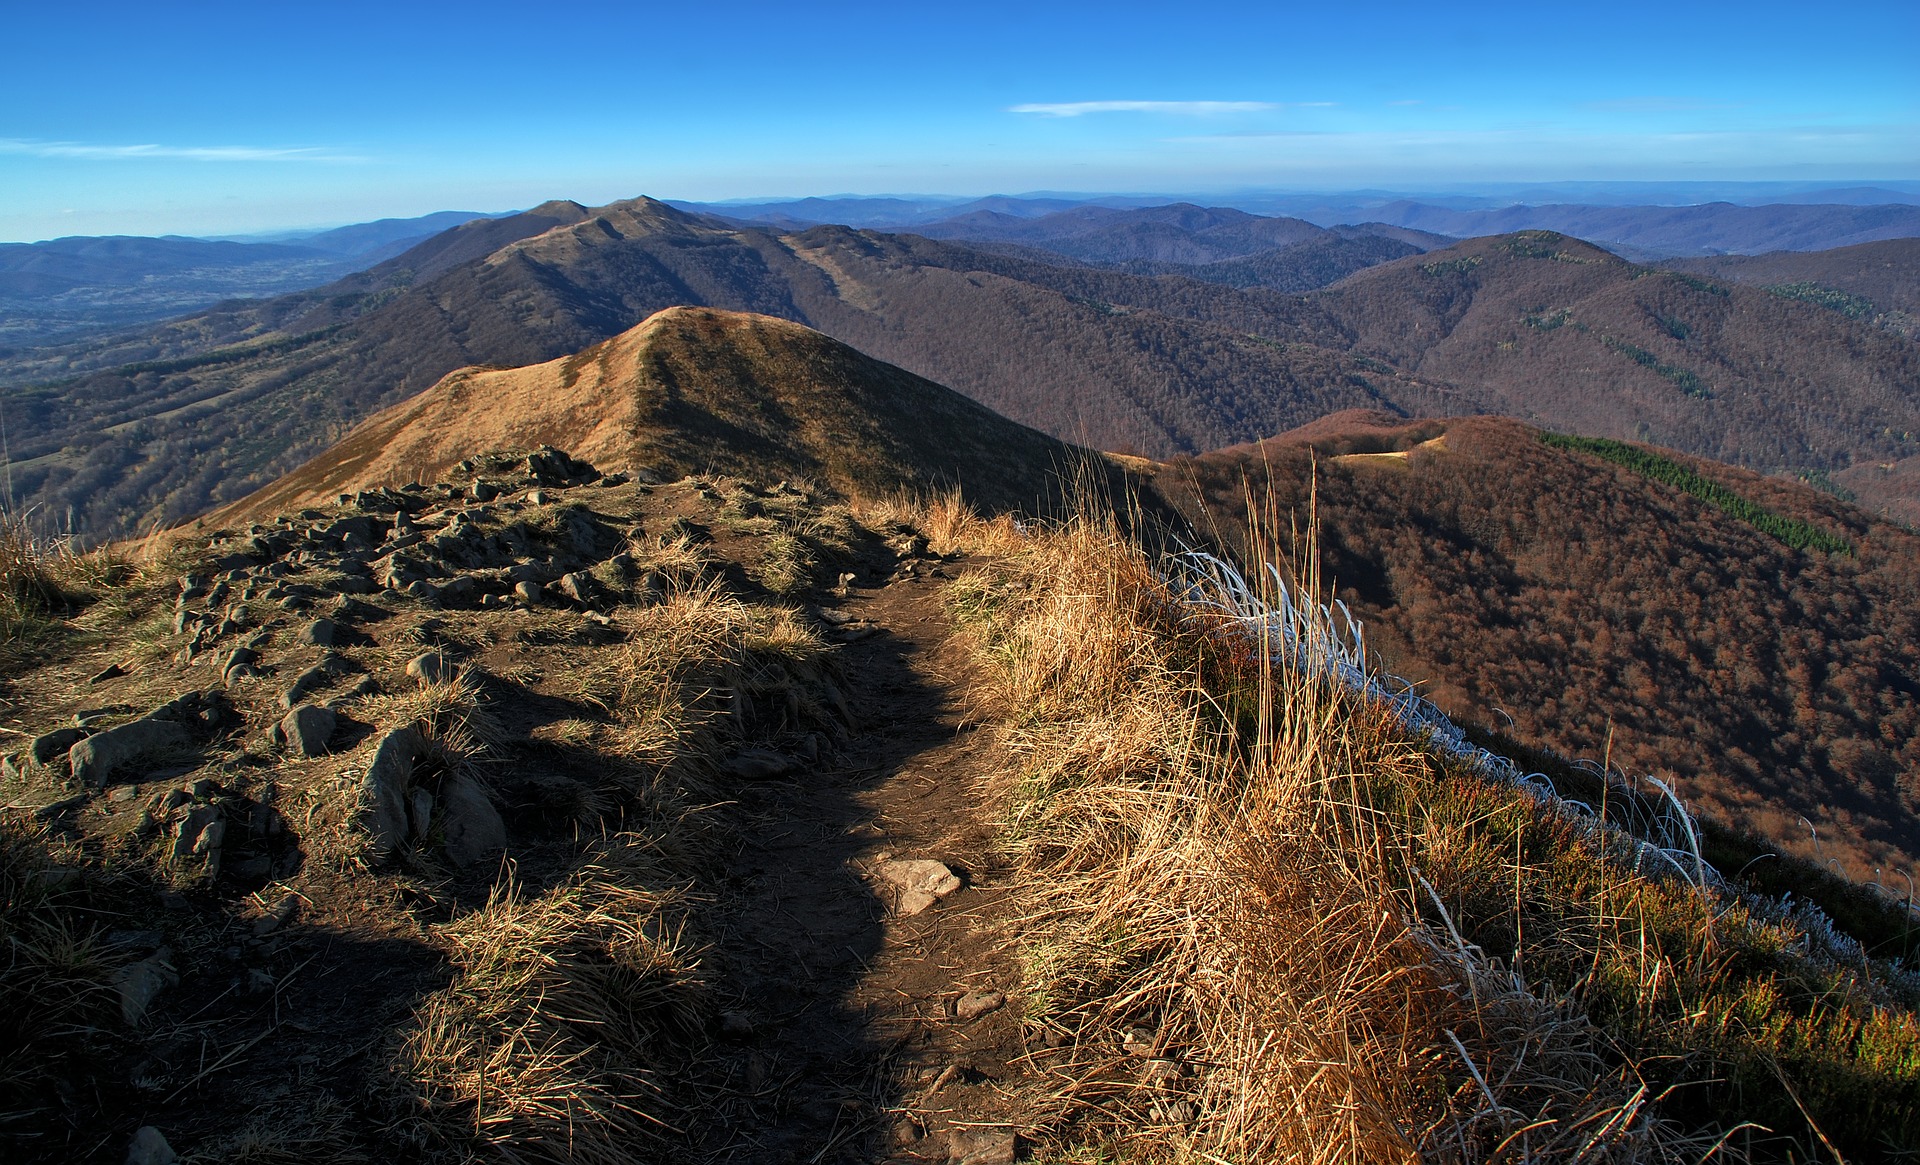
<point x="1175" y="108"/>
<point x="44" y="149"/>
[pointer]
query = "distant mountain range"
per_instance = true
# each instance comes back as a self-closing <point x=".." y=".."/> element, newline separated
<point x="1637" y="221"/>
<point x="64" y="288"/>
<point x="160" y="423"/>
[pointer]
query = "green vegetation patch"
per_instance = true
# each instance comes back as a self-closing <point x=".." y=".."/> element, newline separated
<point x="1452" y="266"/>
<point x="1791" y="531"/>
<point x="1688" y="381"/>
<point x="1699" y="284"/>
<point x="1854" y="307"/>
<point x="1549" y="321"/>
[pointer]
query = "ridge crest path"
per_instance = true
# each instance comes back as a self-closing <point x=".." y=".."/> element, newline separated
<point x="843" y="1031"/>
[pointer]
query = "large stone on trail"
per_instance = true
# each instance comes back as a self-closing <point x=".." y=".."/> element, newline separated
<point x="141" y="983"/>
<point x="51" y="745"/>
<point x="239" y="663"/>
<point x="320" y="633"/>
<point x="917" y="883"/>
<point x="581" y="587"/>
<point x="95" y="758"/>
<point x="980" y="1147"/>
<point x="760" y="764"/>
<point x="470" y="827"/>
<point x="382" y="812"/>
<point x="149" y="1147"/>
<point x="200" y="821"/>
<point x="306" y="730"/>
<point x="432" y="668"/>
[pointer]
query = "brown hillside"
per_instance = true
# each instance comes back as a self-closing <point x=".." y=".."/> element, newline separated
<point x="1607" y="613"/>
<point x="696" y="390"/>
<point x="1554" y="331"/>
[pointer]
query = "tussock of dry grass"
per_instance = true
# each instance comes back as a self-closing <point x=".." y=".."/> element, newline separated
<point x="575" y="1008"/>
<point x="55" y="975"/>
<point x="1217" y="932"/>
<point x="947" y="520"/>
<point x="570" y="1008"/>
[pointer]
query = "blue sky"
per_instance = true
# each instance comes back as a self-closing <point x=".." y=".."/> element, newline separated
<point x="208" y="118"/>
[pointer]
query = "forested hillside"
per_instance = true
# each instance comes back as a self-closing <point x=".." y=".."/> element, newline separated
<point x="168" y="421"/>
<point x="1750" y="639"/>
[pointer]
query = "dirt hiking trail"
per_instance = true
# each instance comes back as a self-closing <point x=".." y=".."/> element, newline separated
<point x="864" y="1024"/>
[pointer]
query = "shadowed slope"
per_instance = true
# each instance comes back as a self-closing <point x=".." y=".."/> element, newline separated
<point x="697" y="390"/>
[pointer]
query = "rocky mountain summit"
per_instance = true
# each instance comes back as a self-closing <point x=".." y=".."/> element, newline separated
<point x="298" y="750"/>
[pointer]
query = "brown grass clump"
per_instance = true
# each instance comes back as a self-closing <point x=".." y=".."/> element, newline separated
<point x="55" y="975"/>
<point x="570" y="1006"/>
<point x="576" y="1009"/>
<point x="949" y="523"/>
<point x="1221" y="943"/>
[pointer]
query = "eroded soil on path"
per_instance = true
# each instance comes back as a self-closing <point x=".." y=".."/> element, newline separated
<point x="862" y="1033"/>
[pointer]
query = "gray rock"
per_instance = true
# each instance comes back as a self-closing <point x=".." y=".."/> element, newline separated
<point x="306" y="729"/>
<point x="760" y="764"/>
<point x="975" y="1004"/>
<point x="314" y="677"/>
<point x="457" y="590"/>
<point x="320" y="633"/>
<point x="916" y="883"/>
<point x="149" y="1147"/>
<point x="53" y="744"/>
<point x="470" y="826"/>
<point x="141" y="983"/>
<point x="432" y="668"/>
<point x="484" y="491"/>
<point x="95" y="758"/>
<point x="529" y="592"/>
<point x="282" y="913"/>
<point x="384" y="791"/>
<point x="238" y="664"/>
<point x="193" y="830"/>
<point x="579" y="586"/>
<point x="420" y="811"/>
<point x="980" y="1146"/>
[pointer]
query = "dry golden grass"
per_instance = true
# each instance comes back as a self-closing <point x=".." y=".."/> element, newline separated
<point x="569" y="1008"/>
<point x="949" y="523"/>
<point x="1218" y="935"/>
<point x="574" y="1008"/>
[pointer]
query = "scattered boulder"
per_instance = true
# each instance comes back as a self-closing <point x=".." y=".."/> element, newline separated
<point x="529" y="592"/>
<point x="917" y="883"/>
<point x="980" y="1146"/>
<point x="238" y="664"/>
<point x="53" y="744"/>
<point x="470" y="826"/>
<point x="385" y="788"/>
<point x="760" y="764"/>
<point x="975" y="1004"/>
<point x="141" y="983"/>
<point x="149" y="1147"/>
<point x="95" y="758"/>
<point x="432" y="668"/>
<point x="314" y="677"/>
<point x="306" y="729"/>
<point x="580" y="586"/>
<point x="320" y="633"/>
<point x="282" y="913"/>
<point x="194" y="830"/>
